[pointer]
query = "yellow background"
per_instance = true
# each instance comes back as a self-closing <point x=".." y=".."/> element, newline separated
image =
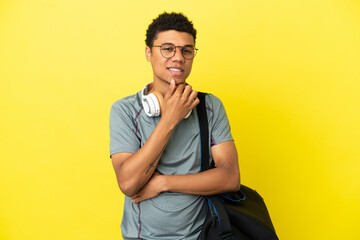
<point x="288" y="73"/>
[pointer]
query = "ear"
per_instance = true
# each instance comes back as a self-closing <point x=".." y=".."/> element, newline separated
<point x="148" y="53"/>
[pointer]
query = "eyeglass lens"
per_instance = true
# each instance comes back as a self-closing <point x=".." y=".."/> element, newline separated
<point x="169" y="50"/>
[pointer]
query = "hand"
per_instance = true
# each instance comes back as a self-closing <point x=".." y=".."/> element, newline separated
<point x="151" y="189"/>
<point x="178" y="102"/>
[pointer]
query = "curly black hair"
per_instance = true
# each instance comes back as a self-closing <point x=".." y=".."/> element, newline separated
<point x="169" y="21"/>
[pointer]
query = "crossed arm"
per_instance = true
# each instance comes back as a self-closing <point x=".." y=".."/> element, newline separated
<point x="136" y="173"/>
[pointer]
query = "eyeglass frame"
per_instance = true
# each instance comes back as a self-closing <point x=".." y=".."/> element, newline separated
<point x="182" y="47"/>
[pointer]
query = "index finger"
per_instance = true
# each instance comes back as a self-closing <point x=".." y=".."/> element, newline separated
<point x="171" y="89"/>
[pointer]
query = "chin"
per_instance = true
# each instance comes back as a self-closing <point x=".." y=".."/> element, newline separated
<point x="179" y="81"/>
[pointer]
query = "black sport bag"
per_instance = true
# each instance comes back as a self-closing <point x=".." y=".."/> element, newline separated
<point x="240" y="215"/>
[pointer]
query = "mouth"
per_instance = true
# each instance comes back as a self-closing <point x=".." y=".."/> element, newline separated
<point x="175" y="70"/>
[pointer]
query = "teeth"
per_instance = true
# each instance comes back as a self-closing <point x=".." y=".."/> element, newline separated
<point x="175" y="69"/>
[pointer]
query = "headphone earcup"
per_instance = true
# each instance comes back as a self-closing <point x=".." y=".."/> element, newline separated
<point x="160" y="99"/>
<point x="151" y="105"/>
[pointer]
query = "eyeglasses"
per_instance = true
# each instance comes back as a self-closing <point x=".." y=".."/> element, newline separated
<point x="168" y="50"/>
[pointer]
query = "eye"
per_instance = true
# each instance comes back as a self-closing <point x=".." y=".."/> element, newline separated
<point x="188" y="50"/>
<point x="167" y="48"/>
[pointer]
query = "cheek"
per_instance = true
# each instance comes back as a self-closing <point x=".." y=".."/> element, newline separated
<point x="189" y="67"/>
<point x="158" y="65"/>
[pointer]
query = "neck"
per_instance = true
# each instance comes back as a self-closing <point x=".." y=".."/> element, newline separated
<point x="159" y="86"/>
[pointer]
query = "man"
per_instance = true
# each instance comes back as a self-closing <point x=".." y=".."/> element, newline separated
<point x="157" y="159"/>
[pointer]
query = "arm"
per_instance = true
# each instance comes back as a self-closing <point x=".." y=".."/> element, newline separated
<point x="224" y="178"/>
<point x="133" y="171"/>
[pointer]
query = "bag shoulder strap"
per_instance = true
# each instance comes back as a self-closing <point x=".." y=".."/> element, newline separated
<point x="204" y="131"/>
<point x="215" y="205"/>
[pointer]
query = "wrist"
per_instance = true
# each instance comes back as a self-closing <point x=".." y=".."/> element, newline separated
<point x="163" y="183"/>
<point x="170" y="125"/>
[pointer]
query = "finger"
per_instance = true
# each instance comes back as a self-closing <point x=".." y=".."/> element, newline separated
<point x="171" y="89"/>
<point x="191" y="99"/>
<point x="194" y="103"/>
<point x="180" y="89"/>
<point x="187" y="91"/>
<point x="134" y="197"/>
<point x="193" y="95"/>
<point x="172" y="85"/>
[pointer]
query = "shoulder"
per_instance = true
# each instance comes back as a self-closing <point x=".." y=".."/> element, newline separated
<point x="126" y="101"/>
<point x="211" y="98"/>
<point x="212" y="102"/>
<point x="130" y="104"/>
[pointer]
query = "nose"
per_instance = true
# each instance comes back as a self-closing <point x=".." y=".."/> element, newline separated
<point x="178" y="55"/>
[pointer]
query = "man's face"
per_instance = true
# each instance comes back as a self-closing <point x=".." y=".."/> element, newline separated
<point x="177" y="67"/>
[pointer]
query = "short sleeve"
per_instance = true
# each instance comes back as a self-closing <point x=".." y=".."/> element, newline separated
<point x="122" y="130"/>
<point x="218" y="121"/>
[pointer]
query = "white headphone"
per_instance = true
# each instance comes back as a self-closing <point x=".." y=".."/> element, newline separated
<point x="152" y="102"/>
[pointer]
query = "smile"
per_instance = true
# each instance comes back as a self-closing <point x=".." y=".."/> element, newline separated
<point x="175" y="69"/>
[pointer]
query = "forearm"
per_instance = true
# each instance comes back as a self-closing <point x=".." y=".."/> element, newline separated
<point x="214" y="181"/>
<point x="135" y="172"/>
<point x="224" y="178"/>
